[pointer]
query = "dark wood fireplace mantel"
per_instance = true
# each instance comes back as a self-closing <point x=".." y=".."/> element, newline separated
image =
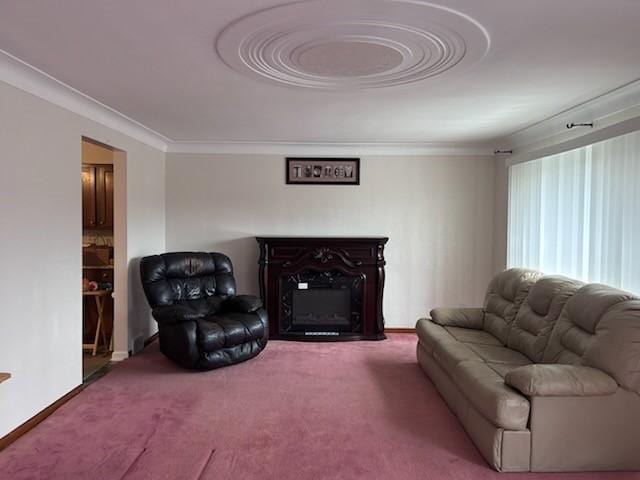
<point x="323" y="288"/>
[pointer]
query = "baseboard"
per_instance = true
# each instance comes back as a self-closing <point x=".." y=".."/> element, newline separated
<point x="399" y="330"/>
<point x="12" y="436"/>
<point x="118" y="356"/>
<point x="151" y="339"/>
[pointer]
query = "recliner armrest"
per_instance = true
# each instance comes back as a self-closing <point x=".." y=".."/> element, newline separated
<point x="555" y="380"/>
<point x="458" y="317"/>
<point x="167" y="314"/>
<point x="241" y="304"/>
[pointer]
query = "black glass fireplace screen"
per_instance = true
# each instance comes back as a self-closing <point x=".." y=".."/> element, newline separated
<point x="321" y="306"/>
<point x="328" y="302"/>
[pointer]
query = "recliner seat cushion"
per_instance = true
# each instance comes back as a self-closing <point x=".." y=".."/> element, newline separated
<point x="229" y="356"/>
<point x="186" y="310"/>
<point x="229" y="330"/>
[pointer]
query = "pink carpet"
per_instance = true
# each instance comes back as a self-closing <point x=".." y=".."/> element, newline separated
<point x="297" y="411"/>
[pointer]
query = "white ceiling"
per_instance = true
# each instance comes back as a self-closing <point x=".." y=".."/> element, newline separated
<point x="464" y="71"/>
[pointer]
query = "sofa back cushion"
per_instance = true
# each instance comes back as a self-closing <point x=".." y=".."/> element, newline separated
<point x="531" y="329"/>
<point x="505" y="294"/>
<point x="576" y="329"/>
<point x="186" y="276"/>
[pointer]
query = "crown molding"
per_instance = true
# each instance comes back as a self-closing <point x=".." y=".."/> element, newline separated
<point x="614" y="113"/>
<point x="34" y="81"/>
<point x="331" y="148"/>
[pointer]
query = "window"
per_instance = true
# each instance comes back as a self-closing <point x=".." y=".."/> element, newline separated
<point x="578" y="213"/>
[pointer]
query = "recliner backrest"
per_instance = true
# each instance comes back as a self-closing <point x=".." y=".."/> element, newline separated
<point x="505" y="294"/>
<point x="532" y="327"/>
<point x="182" y="276"/>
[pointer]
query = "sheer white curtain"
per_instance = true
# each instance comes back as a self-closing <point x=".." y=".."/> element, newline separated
<point x="578" y="213"/>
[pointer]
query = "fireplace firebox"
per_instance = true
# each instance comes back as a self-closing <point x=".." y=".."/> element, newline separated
<point x="321" y="303"/>
<point x="323" y="288"/>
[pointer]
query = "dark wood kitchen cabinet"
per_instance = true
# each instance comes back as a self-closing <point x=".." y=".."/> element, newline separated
<point x="97" y="196"/>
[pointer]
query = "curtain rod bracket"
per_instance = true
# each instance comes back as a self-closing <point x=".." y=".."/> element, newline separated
<point x="573" y="125"/>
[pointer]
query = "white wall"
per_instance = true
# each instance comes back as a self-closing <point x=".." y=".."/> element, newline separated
<point x="40" y="246"/>
<point x="437" y="212"/>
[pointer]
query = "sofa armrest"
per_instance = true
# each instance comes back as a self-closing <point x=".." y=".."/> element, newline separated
<point x="458" y="317"/>
<point x="241" y="304"/>
<point x="167" y="314"/>
<point x="554" y="380"/>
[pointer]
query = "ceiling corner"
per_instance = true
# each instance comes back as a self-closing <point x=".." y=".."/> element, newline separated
<point x="25" y="77"/>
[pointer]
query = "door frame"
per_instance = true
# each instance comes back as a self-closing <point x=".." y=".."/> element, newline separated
<point x="120" y="260"/>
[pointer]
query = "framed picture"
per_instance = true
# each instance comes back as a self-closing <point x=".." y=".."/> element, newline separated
<point x="323" y="171"/>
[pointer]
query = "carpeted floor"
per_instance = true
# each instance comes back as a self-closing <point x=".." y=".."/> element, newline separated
<point x="297" y="411"/>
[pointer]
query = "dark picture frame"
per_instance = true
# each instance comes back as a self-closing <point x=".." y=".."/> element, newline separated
<point x="322" y="171"/>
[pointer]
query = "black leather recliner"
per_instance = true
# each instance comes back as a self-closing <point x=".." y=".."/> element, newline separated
<point x="202" y="323"/>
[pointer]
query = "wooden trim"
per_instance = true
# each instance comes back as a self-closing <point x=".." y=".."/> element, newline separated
<point x="399" y="330"/>
<point x="12" y="436"/>
<point x="151" y="339"/>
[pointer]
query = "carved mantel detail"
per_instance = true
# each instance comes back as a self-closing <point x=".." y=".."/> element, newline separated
<point x="322" y="254"/>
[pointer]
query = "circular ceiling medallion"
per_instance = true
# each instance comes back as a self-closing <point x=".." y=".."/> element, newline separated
<point x="351" y="44"/>
<point x="348" y="59"/>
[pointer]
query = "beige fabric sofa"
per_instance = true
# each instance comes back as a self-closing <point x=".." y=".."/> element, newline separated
<point x="544" y="377"/>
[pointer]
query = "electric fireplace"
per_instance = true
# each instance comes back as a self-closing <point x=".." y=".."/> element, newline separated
<point x="323" y="288"/>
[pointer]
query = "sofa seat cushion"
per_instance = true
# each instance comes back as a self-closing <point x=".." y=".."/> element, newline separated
<point x="469" y="335"/>
<point x="449" y="354"/>
<point x="228" y="330"/>
<point x="499" y="354"/>
<point x="502" y="405"/>
<point x="503" y="368"/>
<point x="430" y="334"/>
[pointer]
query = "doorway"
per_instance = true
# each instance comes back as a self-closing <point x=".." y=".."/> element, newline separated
<point x="103" y="215"/>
